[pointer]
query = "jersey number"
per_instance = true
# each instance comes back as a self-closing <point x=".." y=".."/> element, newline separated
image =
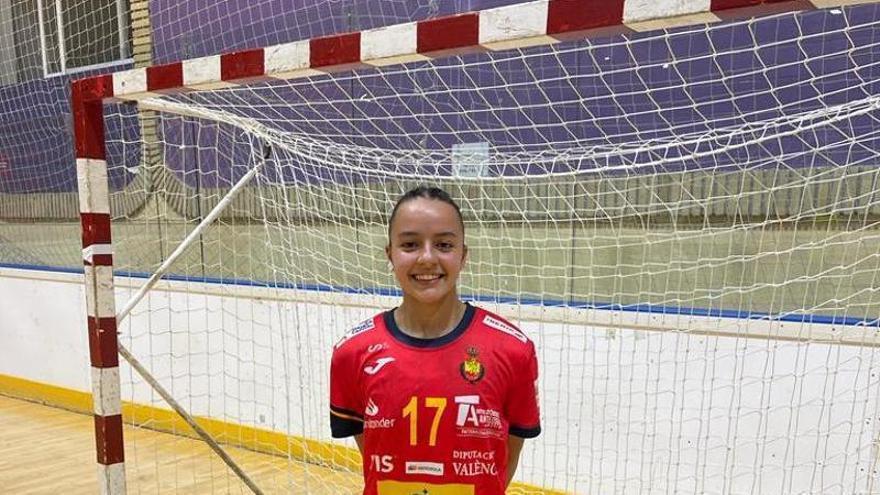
<point x="438" y="404"/>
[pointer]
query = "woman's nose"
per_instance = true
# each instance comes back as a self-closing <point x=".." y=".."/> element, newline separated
<point x="427" y="254"/>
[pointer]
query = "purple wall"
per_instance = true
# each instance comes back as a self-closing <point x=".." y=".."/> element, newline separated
<point x="196" y="28"/>
<point x="36" y="147"/>
<point x="36" y="140"/>
<point x="654" y="90"/>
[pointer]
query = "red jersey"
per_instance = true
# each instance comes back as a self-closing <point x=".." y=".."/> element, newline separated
<point x="435" y="413"/>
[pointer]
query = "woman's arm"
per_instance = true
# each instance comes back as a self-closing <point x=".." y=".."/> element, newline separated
<point x="514" y="447"/>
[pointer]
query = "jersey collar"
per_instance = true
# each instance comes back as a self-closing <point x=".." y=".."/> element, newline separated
<point x="456" y="332"/>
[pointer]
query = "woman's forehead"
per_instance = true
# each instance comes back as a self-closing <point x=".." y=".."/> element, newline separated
<point x="423" y="215"/>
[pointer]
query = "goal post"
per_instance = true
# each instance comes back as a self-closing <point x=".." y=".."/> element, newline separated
<point x="681" y="212"/>
<point x="98" y="274"/>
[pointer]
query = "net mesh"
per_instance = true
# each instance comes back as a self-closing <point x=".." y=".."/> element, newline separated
<point x="674" y="217"/>
<point x="37" y="171"/>
<point x="678" y="219"/>
<point x="691" y="137"/>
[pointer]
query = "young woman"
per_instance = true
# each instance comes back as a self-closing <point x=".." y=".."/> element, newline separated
<point x="438" y="394"/>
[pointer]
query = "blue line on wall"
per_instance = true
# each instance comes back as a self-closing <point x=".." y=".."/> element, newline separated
<point x="378" y="291"/>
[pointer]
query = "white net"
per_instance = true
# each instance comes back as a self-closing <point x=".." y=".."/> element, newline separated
<point x="44" y="44"/>
<point x="189" y="31"/>
<point x="43" y="38"/>
<point x="685" y="222"/>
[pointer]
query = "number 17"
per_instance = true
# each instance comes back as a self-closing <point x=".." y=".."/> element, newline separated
<point x="412" y="411"/>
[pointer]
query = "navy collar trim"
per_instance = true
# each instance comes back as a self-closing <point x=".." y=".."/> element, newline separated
<point x="456" y="332"/>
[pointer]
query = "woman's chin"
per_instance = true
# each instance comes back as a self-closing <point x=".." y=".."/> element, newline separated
<point x="430" y="296"/>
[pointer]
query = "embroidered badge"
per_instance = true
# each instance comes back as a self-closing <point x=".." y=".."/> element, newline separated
<point x="471" y="368"/>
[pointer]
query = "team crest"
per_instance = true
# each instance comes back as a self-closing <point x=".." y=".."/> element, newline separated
<point x="472" y="369"/>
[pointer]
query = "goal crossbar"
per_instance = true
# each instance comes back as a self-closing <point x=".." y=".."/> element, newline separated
<point x="516" y="26"/>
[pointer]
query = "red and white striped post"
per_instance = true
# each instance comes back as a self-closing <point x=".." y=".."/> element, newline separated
<point x="94" y="200"/>
<point x="537" y="22"/>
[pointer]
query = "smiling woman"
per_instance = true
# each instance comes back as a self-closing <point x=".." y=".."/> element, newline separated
<point x="436" y="351"/>
<point x="426" y="250"/>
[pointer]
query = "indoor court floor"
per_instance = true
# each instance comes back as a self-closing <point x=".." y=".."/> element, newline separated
<point x="45" y="450"/>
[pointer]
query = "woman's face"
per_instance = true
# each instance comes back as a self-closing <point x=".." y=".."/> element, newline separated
<point x="427" y="250"/>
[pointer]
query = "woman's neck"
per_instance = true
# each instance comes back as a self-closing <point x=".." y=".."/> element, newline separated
<point x="429" y="321"/>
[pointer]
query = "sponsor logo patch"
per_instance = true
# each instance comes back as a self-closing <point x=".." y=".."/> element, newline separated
<point x="360" y="328"/>
<point x="475" y="421"/>
<point x="504" y="327"/>
<point x="429" y="468"/>
<point x="471" y="368"/>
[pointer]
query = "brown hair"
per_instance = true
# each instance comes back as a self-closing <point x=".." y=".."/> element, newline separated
<point x="427" y="192"/>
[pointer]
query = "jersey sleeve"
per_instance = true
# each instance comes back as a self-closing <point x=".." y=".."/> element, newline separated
<point x="522" y="403"/>
<point x="346" y="405"/>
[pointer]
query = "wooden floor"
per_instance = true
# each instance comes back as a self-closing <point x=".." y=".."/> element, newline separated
<point x="44" y="450"/>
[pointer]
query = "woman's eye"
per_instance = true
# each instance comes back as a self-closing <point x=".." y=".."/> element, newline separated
<point x="445" y="246"/>
<point x="408" y="245"/>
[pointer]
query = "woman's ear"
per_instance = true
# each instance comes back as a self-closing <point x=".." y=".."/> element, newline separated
<point x="388" y="255"/>
<point x="464" y="254"/>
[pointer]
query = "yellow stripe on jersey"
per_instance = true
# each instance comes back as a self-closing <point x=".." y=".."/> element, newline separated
<point x="346" y="416"/>
<point x="390" y="487"/>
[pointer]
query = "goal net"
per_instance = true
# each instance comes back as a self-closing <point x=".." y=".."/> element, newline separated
<point x="684" y="221"/>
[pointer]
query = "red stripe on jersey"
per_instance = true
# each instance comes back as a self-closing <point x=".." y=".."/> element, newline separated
<point x="342" y="413"/>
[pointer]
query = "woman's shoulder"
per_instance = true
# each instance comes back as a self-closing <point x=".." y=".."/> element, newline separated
<point x="360" y="332"/>
<point x="494" y="322"/>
